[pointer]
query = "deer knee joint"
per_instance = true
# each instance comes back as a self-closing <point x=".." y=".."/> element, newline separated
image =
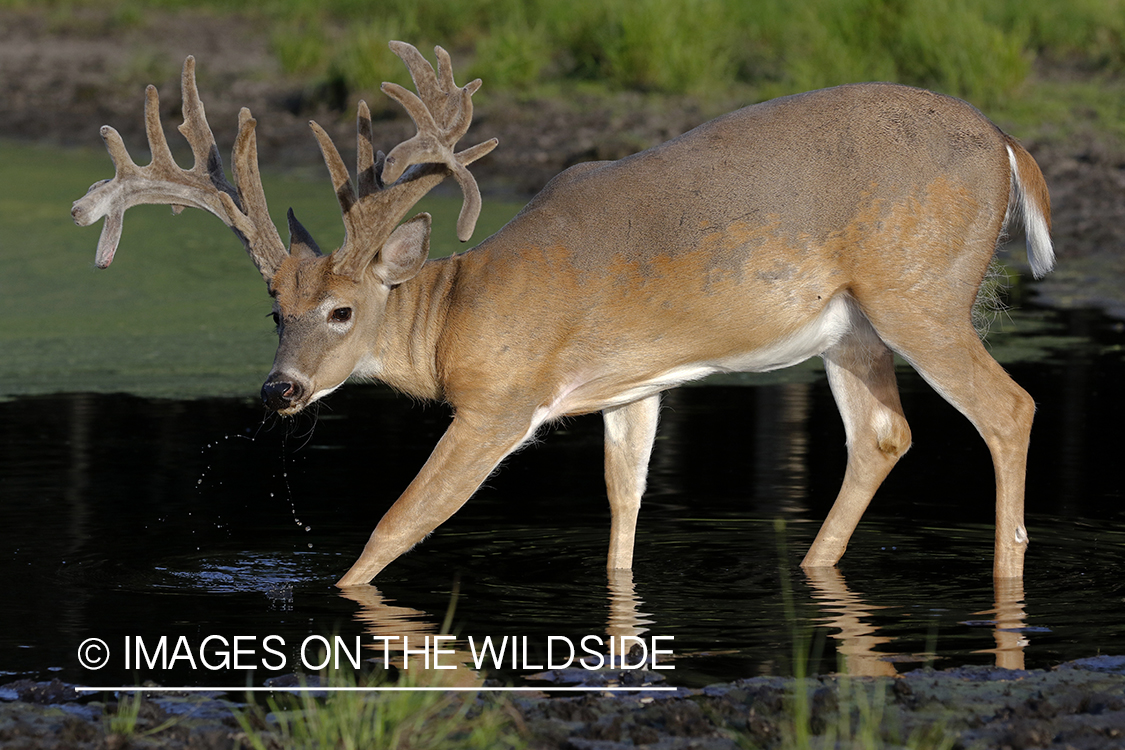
<point x="893" y="437"/>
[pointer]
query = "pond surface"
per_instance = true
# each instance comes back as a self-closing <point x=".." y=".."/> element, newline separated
<point x="131" y="517"/>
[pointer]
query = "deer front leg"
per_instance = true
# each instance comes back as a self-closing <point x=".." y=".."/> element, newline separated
<point x="629" y="433"/>
<point x="469" y="451"/>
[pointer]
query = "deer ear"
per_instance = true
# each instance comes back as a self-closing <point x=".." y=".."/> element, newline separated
<point x="301" y="242"/>
<point x="404" y="252"/>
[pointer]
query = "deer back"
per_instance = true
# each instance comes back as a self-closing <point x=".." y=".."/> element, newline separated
<point x="730" y="237"/>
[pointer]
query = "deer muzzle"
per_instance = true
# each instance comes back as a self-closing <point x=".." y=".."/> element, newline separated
<point x="282" y="395"/>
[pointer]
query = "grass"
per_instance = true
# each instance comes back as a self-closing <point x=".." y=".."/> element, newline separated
<point x="125" y="721"/>
<point x="377" y="721"/>
<point x="1042" y="69"/>
<point x="861" y="721"/>
<point x="978" y="49"/>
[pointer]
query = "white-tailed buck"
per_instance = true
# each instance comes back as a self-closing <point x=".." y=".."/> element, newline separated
<point x="851" y="223"/>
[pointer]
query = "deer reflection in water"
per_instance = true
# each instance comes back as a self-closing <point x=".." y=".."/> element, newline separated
<point x="1010" y="628"/>
<point x="397" y="634"/>
<point x="391" y="629"/>
<point x="859" y="640"/>
<point x="862" y="649"/>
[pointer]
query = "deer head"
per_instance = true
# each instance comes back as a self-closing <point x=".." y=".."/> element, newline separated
<point x="320" y="301"/>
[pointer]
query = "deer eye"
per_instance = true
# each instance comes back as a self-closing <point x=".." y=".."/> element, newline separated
<point x="276" y="319"/>
<point x="341" y="315"/>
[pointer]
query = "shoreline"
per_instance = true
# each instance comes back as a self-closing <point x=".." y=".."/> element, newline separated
<point x="1079" y="704"/>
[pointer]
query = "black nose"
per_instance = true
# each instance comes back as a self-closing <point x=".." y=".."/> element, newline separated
<point x="280" y="394"/>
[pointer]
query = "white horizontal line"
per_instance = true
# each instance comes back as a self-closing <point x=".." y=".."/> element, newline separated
<point x="313" y="689"/>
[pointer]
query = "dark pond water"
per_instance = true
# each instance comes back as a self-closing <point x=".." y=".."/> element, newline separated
<point x="126" y="517"/>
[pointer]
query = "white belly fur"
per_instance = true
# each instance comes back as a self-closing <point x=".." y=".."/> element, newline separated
<point x="820" y="334"/>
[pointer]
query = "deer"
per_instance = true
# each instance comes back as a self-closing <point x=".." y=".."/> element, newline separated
<point x="852" y="223"/>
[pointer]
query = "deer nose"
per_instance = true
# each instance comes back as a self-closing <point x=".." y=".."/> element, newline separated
<point x="278" y="395"/>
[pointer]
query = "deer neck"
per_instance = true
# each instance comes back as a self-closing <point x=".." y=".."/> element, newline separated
<point x="404" y="352"/>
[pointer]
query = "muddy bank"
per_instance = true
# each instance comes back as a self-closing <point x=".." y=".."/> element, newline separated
<point x="1079" y="705"/>
<point x="61" y="81"/>
<point x="1076" y="705"/>
<point x="61" y="78"/>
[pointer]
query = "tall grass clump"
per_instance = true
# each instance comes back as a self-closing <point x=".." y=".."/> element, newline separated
<point x="1088" y="32"/>
<point x="124" y="722"/>
<point x="515" y="54"/>
<point x="364" y="720"/>
<point x="861" y="721"/>
<point x="676" y="46"/>
<point x="947" y="45"/>
<point x="666" y="46"/>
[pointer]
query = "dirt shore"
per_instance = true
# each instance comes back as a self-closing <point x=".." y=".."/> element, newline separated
<point x="1079" y="705"/>
<point x="62" y="78"/>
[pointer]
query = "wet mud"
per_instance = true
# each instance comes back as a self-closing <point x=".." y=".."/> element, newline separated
<point x="1079" y="704"/>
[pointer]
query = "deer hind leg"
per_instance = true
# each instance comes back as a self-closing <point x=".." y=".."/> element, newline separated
<point x="629" y="434"/>
<point x="952" y="359"/>
<point x="861" y="375"/>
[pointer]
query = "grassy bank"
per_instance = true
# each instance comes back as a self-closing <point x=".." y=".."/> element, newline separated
<point x="976" y="49"/>
<point x="1043" y="69"/>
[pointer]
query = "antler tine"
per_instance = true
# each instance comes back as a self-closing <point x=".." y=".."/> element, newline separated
<point x="431" y="86"/>
<point x="442" y="112"/>
<point x="255" y="227"/>
<point x="341" y="181"/>
<point x="370" y="218"/>
<point x="157" y="143"/>
<point x="366" y="173"/>
<point x="203" y="186"/>
<point x="470" y="208"/>
<point x="198" y="133"/>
